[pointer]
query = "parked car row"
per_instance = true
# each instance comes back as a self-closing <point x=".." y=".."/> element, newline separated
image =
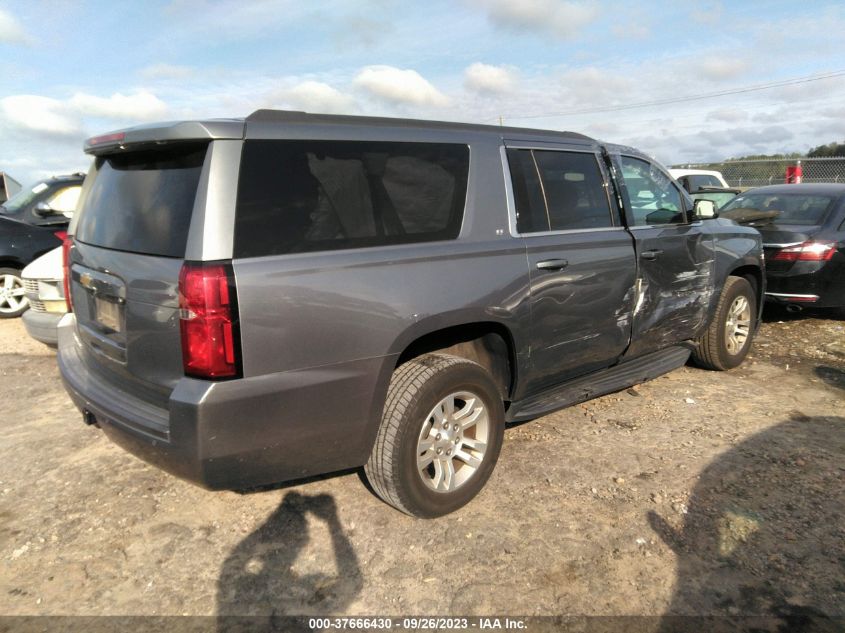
<point x="32" y="222"/>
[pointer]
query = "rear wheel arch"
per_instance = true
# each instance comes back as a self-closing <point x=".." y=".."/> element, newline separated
<point x="754" y="276"/>
<point x="8" y="262"/>
<point x="488" y="344"/>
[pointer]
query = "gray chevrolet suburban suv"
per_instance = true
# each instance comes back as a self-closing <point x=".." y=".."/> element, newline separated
<point x="263" y="299"/>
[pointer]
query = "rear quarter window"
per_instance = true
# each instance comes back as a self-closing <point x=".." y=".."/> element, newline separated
<point x="302" y="196"/>
<point x="142" y="201"/>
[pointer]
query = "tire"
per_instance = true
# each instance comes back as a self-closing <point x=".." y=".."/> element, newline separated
<point x="737" y="310"/>
<point x="13" y="301"/>
<point x="404" y="468"/>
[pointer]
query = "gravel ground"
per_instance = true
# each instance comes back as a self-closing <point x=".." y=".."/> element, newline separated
<point x="696" y="493"/>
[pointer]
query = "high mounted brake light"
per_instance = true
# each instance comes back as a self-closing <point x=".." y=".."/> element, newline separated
<point x="806" y="252"/>
<point x="208" y="318"/>
<point x="117" y="137"/>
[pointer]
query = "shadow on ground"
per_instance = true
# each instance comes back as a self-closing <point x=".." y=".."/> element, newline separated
<point x="258" y="579"/>
<point x="831" y="376"/>
<point x="765" y="530"/>
<point x="773" y="313"/>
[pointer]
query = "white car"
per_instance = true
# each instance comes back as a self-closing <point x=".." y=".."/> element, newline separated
<point x="44" y="285"/>
<point x="695" y="179"/>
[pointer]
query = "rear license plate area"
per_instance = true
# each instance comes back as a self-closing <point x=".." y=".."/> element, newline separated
<point x="108" y="314"/>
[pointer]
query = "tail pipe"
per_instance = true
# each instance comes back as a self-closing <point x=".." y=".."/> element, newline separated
<point x="90" y="419"/>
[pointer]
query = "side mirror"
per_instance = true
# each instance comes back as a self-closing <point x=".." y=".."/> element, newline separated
<point x="704" y="209"/>
<point x="44" y="210"/>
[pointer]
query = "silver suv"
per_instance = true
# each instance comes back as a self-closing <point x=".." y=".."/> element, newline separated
<point x="262" y="299"/>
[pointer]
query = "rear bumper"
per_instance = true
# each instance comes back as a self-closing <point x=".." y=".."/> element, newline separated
<point x="42" y="326"/>
<point x="239" y="433"/>
<point x="819" y="289"/>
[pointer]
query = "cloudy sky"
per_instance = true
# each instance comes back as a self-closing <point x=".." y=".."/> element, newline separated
<point x="73" y="69"/>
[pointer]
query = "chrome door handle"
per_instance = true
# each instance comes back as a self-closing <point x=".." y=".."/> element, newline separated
<point x="652" y="254"/>
<point x="552" y="264"/>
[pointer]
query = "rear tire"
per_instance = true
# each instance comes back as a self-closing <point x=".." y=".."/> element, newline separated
<point x="440" y="435"/>
<point x="728" y="338"/>
<point x="13" y="301"/>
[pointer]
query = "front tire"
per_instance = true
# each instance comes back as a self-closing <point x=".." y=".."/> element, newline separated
<point x="440" y="435"/>
<point x="13" y="301"/>
<point x="727" y="340"/>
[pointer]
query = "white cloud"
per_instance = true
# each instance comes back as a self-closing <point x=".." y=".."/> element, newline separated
<point x="485" y="78"/>
<point x="596" y="87"/>
<point x="142" y="105"/>
<point x="707" y="13"/>
<point x="727" y="115"/>
<point x="11" y="31"/>
<point x="167" y="71"/>
<point x="316" y="96"/>
<point x="563" y="19"/>
<point x="40" y="114"/>
<point x="719" y="68"/>
<point x="399" y="86"/>
<point x="632" y="30"/>
<point x="361" y="30"/>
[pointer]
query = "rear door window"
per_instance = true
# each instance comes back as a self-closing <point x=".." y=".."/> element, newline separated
<point x="558" y="191"/>
<point x="302" y="196"/>
<point x="142" y="201"/>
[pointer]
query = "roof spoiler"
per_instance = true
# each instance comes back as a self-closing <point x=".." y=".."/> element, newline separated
<point x="169" y="132"/>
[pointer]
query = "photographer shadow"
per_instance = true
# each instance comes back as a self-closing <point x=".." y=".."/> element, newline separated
<point x="761" y="546"/>
<point x="258" y="585"/>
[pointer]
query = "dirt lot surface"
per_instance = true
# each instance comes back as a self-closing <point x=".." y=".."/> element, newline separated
<point x="698" y="492"/>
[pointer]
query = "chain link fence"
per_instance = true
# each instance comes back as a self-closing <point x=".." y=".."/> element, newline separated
<point x="773" y="171"/>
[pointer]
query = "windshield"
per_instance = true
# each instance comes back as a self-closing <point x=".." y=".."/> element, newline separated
<point x="697" y="182"/>
<point x="23" y="198"/>
<point x="791" y="208"/>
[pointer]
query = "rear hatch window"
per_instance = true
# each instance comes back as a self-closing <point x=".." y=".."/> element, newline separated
<point x="784" y="208"/>
<point x="141" y="201"/>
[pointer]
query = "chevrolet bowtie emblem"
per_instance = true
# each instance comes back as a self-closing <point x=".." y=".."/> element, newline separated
<point x="86" y="280"/>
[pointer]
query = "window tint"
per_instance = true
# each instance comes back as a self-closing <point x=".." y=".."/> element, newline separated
<point x="142" y="201"/>
<point x="532" y="215"/>
<point x="300" y="196"/>
<point x="651" y="196"/>
<point x="790" y="208"/>
<point x="558" y="191"/>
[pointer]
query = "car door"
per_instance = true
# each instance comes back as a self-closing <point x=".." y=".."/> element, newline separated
<point x="581" y="261"/>
<point x="675" y="258"/>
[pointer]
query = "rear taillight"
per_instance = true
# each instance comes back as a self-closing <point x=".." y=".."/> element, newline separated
<point x="806" y="252"/>
<point x="67" y="243"/>
<point x="208" y="318"/>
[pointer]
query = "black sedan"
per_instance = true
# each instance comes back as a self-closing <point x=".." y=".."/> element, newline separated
<point x="804" y="241"/>
<point x="32" y="222"/>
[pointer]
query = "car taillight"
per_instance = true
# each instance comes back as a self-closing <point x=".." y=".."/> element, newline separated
<point x="806" y="252"/>
<point x="67" y="243"/>
<point x="208" y="317"/>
